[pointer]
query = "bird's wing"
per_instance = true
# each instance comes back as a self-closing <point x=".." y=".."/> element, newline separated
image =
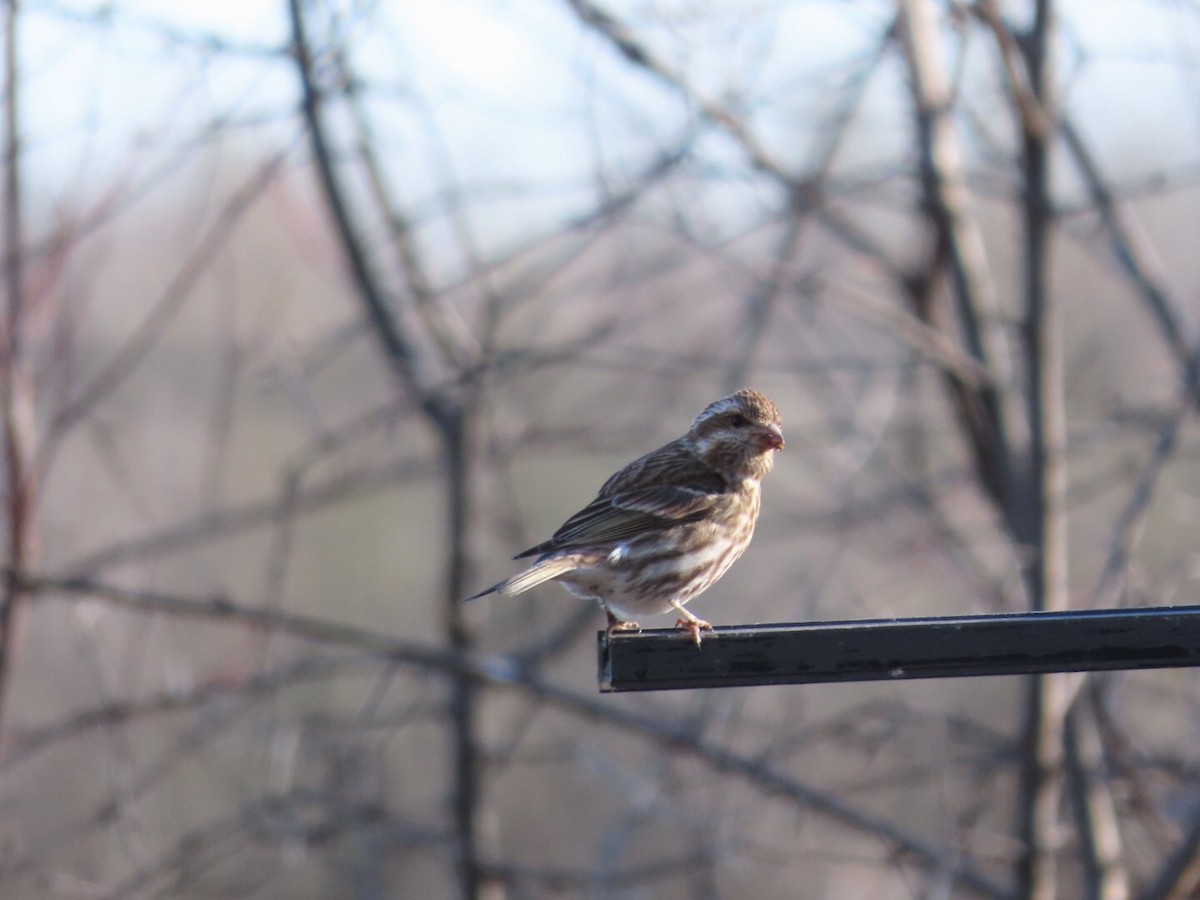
<point x="670" y="465"/>
<point x="625" y="515"/>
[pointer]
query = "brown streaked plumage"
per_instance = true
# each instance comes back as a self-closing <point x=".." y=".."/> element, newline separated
<point x="669" y="524"/>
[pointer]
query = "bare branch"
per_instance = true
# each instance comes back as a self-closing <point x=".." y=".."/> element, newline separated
<point x="1134" y="254"/>
<point x="626" y="43"/>
<point x="1038" y="520"/>
<point x="216" y="524"/>
<point x="987" y="413"/>
<point x="1128" y="528"/>
<point x="145" y="336"/>
<point x="398" y="348"/>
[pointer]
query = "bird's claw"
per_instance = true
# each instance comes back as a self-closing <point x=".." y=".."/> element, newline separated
<point x="615" y="625"/>
<point x="693" y="625"/>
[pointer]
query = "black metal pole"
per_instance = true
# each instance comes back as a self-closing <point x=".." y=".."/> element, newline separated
<point x="894" y="649"/>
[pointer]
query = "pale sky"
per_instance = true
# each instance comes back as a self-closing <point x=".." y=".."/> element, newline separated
<point x="508" y="92"/>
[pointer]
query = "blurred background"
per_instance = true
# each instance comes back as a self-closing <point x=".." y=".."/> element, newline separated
<point x="316" y="312"/>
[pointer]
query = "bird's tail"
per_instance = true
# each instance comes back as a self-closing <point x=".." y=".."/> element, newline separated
<point x="539" y="573"/>
<point x="484" y="593"/>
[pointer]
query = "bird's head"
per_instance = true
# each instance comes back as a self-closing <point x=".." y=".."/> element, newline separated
<point x="737" y="435"/>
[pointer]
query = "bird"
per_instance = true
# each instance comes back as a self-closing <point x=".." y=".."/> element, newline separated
<point x="665" y="527"/>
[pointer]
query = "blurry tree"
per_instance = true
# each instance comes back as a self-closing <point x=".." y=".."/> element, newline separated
<point x="312" y="320"/>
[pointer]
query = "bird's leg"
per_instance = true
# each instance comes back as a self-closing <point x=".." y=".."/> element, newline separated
<point x="690" y="622"/>
<point x="615" y="624"/>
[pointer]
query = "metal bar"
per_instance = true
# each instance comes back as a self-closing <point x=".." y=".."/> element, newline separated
<point x="895" y="649"/>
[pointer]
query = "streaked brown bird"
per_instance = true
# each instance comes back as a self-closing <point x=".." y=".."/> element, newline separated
<point x="669" y="524"/>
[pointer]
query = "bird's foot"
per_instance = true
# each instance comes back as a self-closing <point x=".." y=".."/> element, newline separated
<point x="690" y="623"/>
<point x="615" y="625"/>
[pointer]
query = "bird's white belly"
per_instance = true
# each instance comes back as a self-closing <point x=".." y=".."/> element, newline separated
<point x="639" y="578"/>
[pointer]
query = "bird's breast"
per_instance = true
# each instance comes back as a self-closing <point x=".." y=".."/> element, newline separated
<point x="643" y="574"/>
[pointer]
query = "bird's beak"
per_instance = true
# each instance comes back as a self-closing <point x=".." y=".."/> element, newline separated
<point x="772" y="437"/>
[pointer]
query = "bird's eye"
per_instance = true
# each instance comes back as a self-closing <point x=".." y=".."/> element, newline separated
<point x="737" y="420"/>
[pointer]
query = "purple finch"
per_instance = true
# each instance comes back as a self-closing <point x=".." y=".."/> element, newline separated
<point x="669" y="524"/>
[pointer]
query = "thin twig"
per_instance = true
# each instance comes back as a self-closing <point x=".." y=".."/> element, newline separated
<point x="139" y="343"/>
<point x="1135" y="255"/>
<point x="636" y="52"/>
<point x="219" y="524"/>
<point x="801" y="205"/>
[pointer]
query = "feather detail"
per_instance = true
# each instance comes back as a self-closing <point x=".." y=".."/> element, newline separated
<point x="673" y="464"/>
<point x="623" y="516"/>
<point x="540" y="572"/>
<point x="492" y="590"/>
